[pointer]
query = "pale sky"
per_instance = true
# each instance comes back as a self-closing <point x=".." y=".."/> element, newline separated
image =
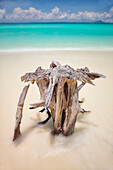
<point x="56" y="11"/>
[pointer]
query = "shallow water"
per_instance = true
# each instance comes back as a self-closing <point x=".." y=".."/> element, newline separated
<point x="91" y="145"/>
<point x="50" y="36"/>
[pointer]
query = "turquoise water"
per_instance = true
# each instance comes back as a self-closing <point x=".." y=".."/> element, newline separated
<point x="56" y="36"/>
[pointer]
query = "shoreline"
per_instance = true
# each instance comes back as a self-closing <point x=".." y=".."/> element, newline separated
<point x="56" y="49"/>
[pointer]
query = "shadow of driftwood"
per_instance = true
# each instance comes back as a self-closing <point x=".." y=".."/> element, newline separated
<point x="82" y="118"/>
<point x="22" y="136"/>
<point x="65" y="141"/>
<point x="25" y="133"/>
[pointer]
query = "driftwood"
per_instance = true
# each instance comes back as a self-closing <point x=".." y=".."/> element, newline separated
<point x="19" y="112"/>
<point x="59" y="95"/>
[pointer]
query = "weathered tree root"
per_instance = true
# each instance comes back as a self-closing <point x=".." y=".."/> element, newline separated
<point x="59" y="93"/>
<point x="45" y="121"/>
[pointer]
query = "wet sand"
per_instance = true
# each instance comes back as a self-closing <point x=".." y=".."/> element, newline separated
<point x="91" y="145"/>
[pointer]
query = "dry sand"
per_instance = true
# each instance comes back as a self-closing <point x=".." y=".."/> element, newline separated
<point x="91" y="145"/>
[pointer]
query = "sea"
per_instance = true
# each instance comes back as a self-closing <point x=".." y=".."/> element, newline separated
<point x="55" y="36"/>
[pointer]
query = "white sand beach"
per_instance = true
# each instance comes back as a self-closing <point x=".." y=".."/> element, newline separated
<point x="91" y="145"/>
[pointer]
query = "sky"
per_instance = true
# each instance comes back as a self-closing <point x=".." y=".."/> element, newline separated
<point x="56" y="11"/>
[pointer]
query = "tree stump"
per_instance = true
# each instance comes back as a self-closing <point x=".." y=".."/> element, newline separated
<point x="59" y="95"/>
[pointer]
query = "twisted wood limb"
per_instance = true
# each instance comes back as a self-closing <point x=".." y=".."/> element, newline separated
<point x="38" y="104"/>
<point x="45" y="121"/>
<point x="50" y="92"/>
<point x="19" y="112"/>
<point x="83" y="111"/>
<point x="42" y="110"/>
<point x="80" y="86"/>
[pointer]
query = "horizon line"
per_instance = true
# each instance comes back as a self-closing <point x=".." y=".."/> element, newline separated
<point x="55" y="22"/>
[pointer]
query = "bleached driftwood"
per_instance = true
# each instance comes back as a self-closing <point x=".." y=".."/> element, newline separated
<point x="59" y="95"/>
<point x="19" y="112"/>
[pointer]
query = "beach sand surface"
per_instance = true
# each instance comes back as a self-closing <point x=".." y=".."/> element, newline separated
<point x="91" y="145"/>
